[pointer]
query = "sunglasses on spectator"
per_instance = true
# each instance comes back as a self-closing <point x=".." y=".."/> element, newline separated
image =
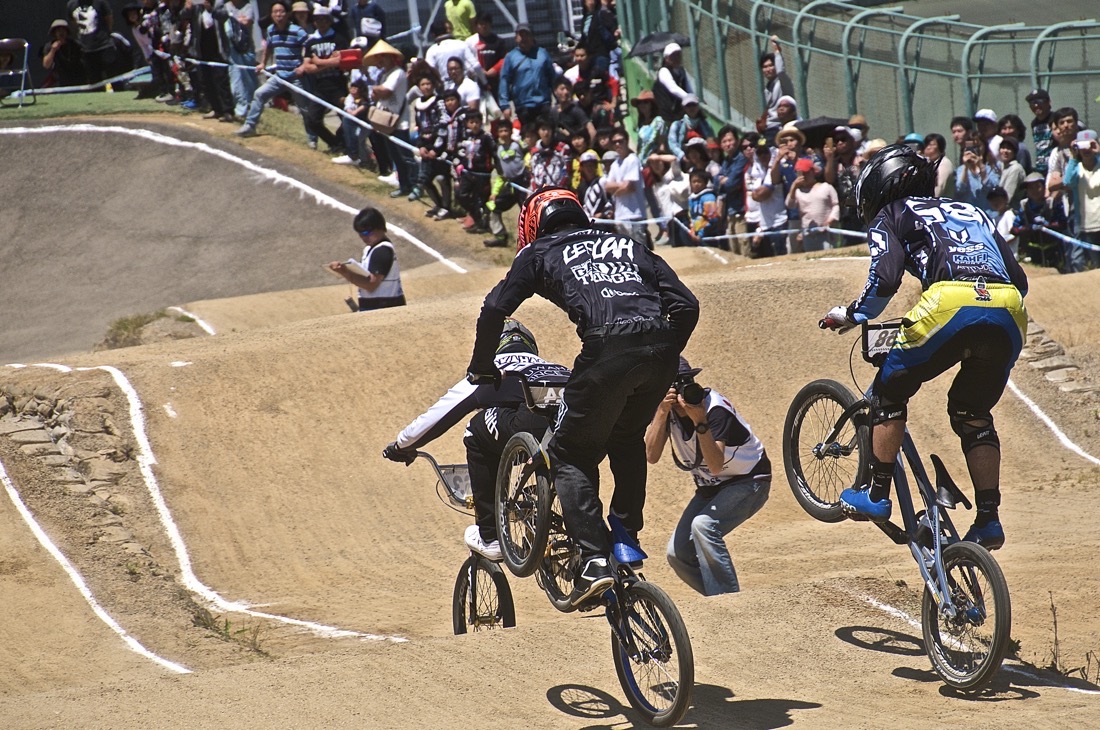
<point x="364" y="234"/>
<point x="618" y="140"/>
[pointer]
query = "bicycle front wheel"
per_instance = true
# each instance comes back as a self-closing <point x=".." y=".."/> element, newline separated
<point x="522" y="505"/>
<point x="967" y="648"/>
<point x="818" y="467"/>
<point x="655" y="664"/>
<point x="482" y="598"/>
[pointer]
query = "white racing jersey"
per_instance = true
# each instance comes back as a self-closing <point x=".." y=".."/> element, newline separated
<point x="464" y="398"/>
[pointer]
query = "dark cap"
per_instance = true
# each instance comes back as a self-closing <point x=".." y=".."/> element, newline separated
<point x="1037" y="95"/>
<point x="524" y="28"/>
<point x="686" y="369"/>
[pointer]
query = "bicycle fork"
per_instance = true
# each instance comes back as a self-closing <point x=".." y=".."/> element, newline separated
<point x="654" y="632"/>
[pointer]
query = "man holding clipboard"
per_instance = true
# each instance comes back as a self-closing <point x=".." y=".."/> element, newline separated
<point x="377" y="274"/>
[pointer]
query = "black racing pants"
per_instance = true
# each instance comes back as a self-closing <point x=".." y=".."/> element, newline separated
<point x="616" y="385"/>
<point x="486" y="435"/>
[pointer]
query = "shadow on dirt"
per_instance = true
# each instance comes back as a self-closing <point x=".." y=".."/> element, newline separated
<point x="712" y="707"/>
<point x="882" y="640"/>
<point x="1011" y="683"/>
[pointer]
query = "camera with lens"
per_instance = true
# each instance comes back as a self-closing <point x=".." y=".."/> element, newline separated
<point x="974" y="151"/>
<point x="689" y="390"/>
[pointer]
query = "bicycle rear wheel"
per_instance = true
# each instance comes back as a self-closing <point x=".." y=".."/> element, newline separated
<point x="819" y="468"/>
<point x="658" y="672"/>
<point x="558" y="569"/>
<point x="967" y="649"/>
<point x="522" y="504"/>
<point x="491" y="606"/>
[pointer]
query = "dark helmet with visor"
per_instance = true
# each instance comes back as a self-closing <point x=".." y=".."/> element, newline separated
<point x="516" y="338"/>
<point x="894" y="172"/>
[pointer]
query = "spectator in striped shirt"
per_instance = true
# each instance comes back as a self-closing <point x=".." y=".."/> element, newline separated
<point x="283" y="48"/>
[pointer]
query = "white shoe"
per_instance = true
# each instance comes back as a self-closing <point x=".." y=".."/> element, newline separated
<point x="343" y="160"/>
<point x="390" y="179"/>
<point x="490" y="551"/>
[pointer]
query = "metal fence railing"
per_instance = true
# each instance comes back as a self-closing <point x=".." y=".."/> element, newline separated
<point x="903" y="72"/>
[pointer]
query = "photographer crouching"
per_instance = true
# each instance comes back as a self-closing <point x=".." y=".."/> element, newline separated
<point x="732" y="478"/>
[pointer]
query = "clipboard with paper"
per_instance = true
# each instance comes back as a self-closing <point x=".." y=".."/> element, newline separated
<point x="352" y="265"/>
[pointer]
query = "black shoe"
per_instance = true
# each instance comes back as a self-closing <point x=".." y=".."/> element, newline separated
<point x="495" y="242"/>
<point x="594" y="578"/>
<point x="431" y="212"/>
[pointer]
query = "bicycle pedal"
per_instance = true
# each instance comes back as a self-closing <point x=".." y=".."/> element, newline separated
<point x="853" y="515"/>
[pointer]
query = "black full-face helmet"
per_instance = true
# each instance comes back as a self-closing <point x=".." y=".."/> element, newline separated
<point x="894" y="172"/>
<point x="516" y="338"/>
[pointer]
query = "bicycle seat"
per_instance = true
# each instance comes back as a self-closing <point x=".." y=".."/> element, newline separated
<point x="624" y="545"/>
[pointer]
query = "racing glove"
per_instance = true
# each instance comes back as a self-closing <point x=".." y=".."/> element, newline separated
<point x="393" y="452"/>
<point x="837" y="320"/>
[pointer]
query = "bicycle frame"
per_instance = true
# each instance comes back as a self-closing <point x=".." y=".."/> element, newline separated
<point x="936" y="499"/>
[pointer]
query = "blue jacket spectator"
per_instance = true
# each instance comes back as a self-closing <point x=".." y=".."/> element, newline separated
<point x="526" y="79"/>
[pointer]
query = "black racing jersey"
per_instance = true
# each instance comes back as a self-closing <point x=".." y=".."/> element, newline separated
<point x="607" y="283"/>
<point x="934" y="239"/>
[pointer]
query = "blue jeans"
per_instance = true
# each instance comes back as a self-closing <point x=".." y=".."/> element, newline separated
<point x="242" y="81"/>
<point x="354" y="138"/>
<point x="697" y="550"/>
<point x="270" y="89"/>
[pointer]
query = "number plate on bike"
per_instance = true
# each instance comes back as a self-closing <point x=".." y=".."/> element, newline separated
<point x="878" y="339"/>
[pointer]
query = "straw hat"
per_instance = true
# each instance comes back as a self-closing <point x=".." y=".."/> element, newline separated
<point x="873" y="146"/>
<point x="381" y="48"/>
<point x="789" y="130"/>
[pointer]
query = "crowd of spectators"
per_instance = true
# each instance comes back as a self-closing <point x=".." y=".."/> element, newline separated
<point x="481" y="120"/>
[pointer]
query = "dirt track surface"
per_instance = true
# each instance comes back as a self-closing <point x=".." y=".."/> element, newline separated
<point x="266" y="444"/>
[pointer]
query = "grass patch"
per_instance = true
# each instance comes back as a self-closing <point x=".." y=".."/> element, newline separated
<point x="126" y="332"/>
<point x="248" y="636"/>
<point x="85" y="104"/>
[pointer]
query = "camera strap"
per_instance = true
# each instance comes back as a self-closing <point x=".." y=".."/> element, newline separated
<point x="674" y="422"/>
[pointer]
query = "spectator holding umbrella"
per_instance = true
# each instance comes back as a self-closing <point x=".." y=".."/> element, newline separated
<point x="672" y="86"/>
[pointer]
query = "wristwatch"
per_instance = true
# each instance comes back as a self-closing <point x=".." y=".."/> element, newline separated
<point x="702" y="427"/>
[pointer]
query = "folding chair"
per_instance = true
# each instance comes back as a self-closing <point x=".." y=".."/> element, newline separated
<point x="15" y="79"/>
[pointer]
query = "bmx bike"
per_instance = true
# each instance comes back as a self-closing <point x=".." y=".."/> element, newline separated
<point x="650" y="646"/>
<point x="966" y="613"/>
<point x="482" y="598"/>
